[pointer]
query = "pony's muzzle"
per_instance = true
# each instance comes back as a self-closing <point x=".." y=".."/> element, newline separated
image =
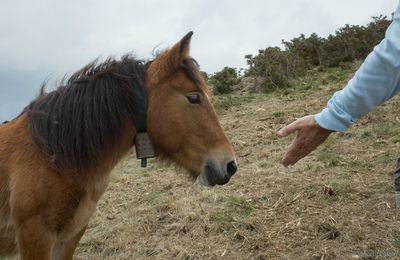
<point x="217" y="173"/>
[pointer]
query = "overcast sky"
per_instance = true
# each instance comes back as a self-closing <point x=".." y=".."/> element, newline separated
<point x="46" y="39"/>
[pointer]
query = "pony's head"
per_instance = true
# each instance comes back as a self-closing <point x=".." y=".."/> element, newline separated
<point x="181" y="121"/>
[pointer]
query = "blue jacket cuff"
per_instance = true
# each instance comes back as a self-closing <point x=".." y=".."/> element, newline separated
<point x="329" y="120"/>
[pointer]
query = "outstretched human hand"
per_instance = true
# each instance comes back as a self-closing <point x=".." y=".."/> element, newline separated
<point x="309" y="136"/>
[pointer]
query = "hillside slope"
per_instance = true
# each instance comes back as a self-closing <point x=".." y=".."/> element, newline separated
<point x="337" y="203"/>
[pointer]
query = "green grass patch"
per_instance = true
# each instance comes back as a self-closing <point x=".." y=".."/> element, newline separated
<point x="329" y="158"/>
<point x="225" y="102"/>
<point x="240" y="205"/>
<point x="222" y="220"/>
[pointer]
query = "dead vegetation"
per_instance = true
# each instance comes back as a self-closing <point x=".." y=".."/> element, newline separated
<point x="338" y="203"/>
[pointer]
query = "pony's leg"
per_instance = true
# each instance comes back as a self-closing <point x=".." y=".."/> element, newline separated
<point x="35" y="241"/>
<point x="65" y="250"/>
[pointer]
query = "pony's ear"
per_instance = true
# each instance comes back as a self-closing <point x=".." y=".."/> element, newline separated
<point x="184" y="46"/>
<point x="170" y="60"/>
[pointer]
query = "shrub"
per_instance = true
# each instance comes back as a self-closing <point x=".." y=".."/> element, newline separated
<point x="223" y="80"/>
<point x="308" y="49"/>
<point x="276" y="66"/>
<point x="353" y="42"/>
<point x="280" y="67"/>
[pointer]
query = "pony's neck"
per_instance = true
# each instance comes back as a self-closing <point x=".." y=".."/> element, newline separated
<point x="118" y="149"/>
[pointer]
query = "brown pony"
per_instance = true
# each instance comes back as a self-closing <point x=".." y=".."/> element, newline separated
<point x="56" y="157"/>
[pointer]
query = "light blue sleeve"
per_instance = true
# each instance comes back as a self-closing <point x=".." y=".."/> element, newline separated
<point x="377" y="80"/>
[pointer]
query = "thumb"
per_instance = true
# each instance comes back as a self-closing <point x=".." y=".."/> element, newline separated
<point x="289" y="129"/>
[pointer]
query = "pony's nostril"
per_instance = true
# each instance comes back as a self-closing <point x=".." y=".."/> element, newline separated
<point x="232" y="168"/>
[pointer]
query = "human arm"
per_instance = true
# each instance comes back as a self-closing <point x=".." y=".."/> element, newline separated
<point x="377" y="80"/>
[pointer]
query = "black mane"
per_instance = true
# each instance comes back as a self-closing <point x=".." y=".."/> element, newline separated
<point x="75" y="123"/>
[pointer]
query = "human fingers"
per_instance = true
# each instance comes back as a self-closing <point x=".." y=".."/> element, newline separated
<point x="290" y="128"/>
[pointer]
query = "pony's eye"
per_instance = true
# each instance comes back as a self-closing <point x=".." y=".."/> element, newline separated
<point x="193" y="98"/>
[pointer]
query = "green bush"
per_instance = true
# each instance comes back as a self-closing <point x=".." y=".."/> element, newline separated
<point x="223" y="80"/>
<point x="353" y="42"/>
<point x="276" y="66"/>
<point x="306" y="48"/>
<point x="280" y="67"/>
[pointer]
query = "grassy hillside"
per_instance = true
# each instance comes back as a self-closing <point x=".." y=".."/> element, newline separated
<point x="338" y="203"/>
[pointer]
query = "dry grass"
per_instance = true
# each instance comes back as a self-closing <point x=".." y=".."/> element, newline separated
<point x="338" y="203"/>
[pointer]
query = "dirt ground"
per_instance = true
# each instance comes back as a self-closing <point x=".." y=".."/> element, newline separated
<point x="338" y="203"/>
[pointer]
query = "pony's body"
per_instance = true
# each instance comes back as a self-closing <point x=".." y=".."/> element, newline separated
<point x="56" y="157"/>
<point x="66" y="201"/>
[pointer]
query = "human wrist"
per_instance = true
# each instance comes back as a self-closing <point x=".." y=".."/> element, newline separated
<point x="329" y="121"/>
